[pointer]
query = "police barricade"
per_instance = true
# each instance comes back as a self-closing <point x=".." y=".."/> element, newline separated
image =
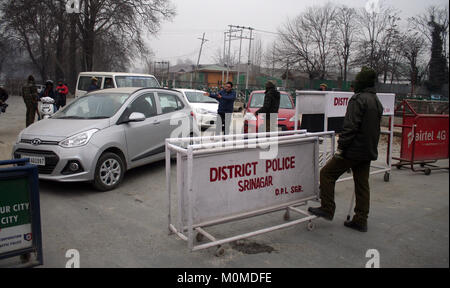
<point x="228" y="178"/>
<point x="20" y="220"/>
<point x="332" y="107"/>
<point x="424" y="139"/>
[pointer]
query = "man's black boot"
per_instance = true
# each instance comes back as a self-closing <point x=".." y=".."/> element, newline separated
<point x="356" y="226"/>
<point x="319" y="212"/>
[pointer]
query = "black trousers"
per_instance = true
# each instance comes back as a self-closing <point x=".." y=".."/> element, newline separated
<point x="331" y="173"/>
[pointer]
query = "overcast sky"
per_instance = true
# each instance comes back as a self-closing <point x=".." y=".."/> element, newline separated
<point x="178" y="39"/>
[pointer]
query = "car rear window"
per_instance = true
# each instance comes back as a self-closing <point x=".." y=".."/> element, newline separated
<point x="258" y="101"/>
<point x="136" y="81"/>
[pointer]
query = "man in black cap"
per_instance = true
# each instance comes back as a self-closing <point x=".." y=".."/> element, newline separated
<point x="358" y="146"/>
<point x="271" y="104"/>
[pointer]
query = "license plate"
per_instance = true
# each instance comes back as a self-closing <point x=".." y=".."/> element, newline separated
<point x="39" y="161"/>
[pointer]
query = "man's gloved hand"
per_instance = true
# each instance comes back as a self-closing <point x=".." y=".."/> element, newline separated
<point x="339" y="154"/>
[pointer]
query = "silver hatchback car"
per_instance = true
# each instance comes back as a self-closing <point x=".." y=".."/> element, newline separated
<point x="98" y="137"/>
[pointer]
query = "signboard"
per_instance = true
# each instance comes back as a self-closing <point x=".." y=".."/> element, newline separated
<point x="230" y="183"/>
<point x="334" y="104"/>
<point x="15" y="215"/>
<point x="20" y="227"/>
<point x="430" y="135"/>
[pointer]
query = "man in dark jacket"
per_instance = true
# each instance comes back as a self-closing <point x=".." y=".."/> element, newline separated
<point x="226" y="99"/>
<point x="358" y="146"/>
<point x="30" y="97"/>
<point x="271" y="104"/>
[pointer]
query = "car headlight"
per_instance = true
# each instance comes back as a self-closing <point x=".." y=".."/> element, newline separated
<point x="292" y="119"/>
<point x="78" y="140"/>
<point x="250" y="117"/>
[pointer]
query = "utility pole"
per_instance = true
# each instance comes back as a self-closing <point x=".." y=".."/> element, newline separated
<point x="168" y="70"/>
<point x="229" y="53"/>
<point x="199" y="55"/>
<point x="236" y="33"/>
<point x="249" y="58"/>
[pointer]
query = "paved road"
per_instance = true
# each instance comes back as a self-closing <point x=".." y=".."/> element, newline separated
<point x="408" y="224"/>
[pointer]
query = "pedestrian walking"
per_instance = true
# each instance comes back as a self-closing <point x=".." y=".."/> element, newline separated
<point x="30" y="97"/>
<point x="358" y="146"/>
<point x="271" y="105"/>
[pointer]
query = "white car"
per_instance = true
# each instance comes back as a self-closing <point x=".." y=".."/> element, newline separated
<point x="108" y="80"/>
<point x="204" y="107"/>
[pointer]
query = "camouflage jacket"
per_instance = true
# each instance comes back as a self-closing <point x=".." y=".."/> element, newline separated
<point x="30" y="93"/>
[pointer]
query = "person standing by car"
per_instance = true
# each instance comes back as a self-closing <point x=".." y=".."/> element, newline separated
<point x="358" y="146"/>
<point x="93" y="85"/>
<point x="30" y="97"/>
<point x="61" y="94"/>
<point x="226" y="100"/>
<point x="271" y="104"/>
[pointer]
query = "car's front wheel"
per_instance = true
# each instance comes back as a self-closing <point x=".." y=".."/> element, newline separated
<point x="109" y="172"/>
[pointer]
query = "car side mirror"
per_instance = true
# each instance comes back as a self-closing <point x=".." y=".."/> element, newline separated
<point x="136" y="117"/>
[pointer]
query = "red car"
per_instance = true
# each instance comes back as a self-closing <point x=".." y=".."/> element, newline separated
<point x="286" y="114"/>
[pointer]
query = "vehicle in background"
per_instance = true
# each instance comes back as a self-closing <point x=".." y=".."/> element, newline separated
<point x="286" y="113"/>
<point x="99" y="136"/>
<point x="108" y="80"/>
<point x="204" y="107"/>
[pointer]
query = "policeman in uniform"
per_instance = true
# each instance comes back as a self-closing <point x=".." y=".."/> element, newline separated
<point x="30" y="97"/>
<point x="358" y="146"/>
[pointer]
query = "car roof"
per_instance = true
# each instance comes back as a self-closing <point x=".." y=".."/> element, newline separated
<point x="264" y="91"/>
<point x="190" y="90"/>
<point x="113" y="74"/>
<point x="129" y="90"/>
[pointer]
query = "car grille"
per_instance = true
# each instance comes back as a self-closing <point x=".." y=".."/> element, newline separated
<point x="27" y="141"/>
<point x="51" y="159"/>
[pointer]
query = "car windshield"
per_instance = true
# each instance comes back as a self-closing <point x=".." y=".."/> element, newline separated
<point x="199" y="97"/>
<point x="136" y="81"/>
<point x="258" y="101"/>
<point x="93" y="106"/>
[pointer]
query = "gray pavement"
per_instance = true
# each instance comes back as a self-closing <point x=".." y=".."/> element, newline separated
<point x="408" y="223"/>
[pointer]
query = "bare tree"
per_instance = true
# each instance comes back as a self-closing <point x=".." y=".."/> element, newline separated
<point x="218" y="57"/>
<point x="306" y="40"/>
<point x="413" y="48"/>
<point x="126" y="18"/>
<point x="346" y="23"/>
<point x="378" y="35"/>
<point x="32" y="24"/>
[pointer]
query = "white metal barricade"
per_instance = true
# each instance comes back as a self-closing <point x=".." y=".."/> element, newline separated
<point x="223" y="179"/>
<point x="334" y="105"/>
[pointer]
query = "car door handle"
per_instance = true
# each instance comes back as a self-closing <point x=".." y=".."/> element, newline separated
<point x="156" y="122"/>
